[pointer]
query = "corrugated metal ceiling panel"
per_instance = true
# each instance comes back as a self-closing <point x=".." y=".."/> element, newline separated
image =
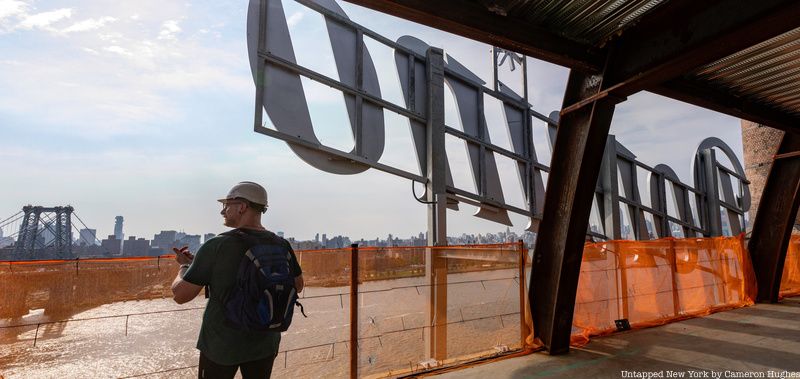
<point x="767" y="73"/>
<point x="589" y="21"/>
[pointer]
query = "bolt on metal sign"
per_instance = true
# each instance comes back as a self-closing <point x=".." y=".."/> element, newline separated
<point x="674" y="208"/>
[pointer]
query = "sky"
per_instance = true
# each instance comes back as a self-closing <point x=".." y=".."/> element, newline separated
<point x="145" y="109"/>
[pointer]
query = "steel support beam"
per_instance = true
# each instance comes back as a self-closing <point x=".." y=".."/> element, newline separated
<point x="577" y="156"/>
<point x="774" y="220"/>
<point x="436" y="190"/>
<point x="701" y="95"/>
<point x="473" y="20"/>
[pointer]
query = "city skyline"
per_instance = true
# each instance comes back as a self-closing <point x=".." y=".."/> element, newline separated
<point x="149" y="116"/>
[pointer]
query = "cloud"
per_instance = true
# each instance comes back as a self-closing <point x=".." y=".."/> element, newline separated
<point x="45" y="19"/>
<point x="90" y="24"/>
<point x="126" y="79"/>
<point x="294" y="19"/>
<point x="118" y="50"/>
<point x="169" y="29"/>
<point x="11" y="8"/>
<point x="659" y="130"/>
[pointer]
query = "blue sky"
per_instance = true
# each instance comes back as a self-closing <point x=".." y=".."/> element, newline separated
<point x="144" y="109"/>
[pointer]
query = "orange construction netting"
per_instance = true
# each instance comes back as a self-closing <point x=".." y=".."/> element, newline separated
<point x="790" y="280"/>
<point x="654" y="282"/>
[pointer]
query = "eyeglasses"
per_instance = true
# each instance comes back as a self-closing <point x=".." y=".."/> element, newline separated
<point x="227" y="203"/>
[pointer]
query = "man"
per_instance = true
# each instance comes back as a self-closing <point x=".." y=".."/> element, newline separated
<point x="223" y="349"/>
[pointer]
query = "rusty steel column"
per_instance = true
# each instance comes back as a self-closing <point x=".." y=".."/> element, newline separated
<point x="775" y="218"/>
<point x="577" y="155"/>
<point x="354" y="311"/>
<point x="523" y="326"/>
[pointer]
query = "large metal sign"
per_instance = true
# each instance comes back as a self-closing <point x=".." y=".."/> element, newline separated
<point x="716" y="204"/>
<point x="636" y="201"/>
<point x="667" y="207"/>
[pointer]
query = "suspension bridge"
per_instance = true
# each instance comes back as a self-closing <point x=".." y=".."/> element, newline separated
<point x="38" y="232"/>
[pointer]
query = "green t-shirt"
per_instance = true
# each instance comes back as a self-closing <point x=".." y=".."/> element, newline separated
<point x="216" y="265"/>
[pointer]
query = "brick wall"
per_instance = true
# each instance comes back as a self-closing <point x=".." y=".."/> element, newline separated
<point x="760" y="143"/>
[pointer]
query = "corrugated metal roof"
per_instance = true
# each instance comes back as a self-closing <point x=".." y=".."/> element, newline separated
<point x="761" y="82"/>
<point x="588" y="21"/>
<point x="767" y="73"/>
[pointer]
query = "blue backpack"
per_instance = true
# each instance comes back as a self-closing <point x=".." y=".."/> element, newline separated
<point x="264" y="295"/>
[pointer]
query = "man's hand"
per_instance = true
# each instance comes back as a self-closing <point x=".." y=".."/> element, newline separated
<point x="183" y="256"/>
<point x="183" y="291"/>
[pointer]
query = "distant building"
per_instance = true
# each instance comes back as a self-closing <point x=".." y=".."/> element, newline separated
<point x="134" y="247"/>
<point x="111" y="245"/>
<point x="725" y="224"/>
<point x="47" y="233"/>
<point x="191" y="240"/>
<point x="87" y="237"/>
<point x="118" y="228"/>
<point x="208" y="236"/>
<point x="165" y="239"/>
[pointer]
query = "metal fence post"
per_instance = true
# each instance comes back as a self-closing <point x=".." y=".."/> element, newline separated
<point x="672" y="256"/>
<point x="523" y="326"/>
<point x="354" y="311"/>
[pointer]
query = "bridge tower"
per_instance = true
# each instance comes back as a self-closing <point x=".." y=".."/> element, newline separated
<point x="38" y="223"/>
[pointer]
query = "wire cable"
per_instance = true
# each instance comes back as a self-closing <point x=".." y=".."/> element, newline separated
<point x="414" y="192"/>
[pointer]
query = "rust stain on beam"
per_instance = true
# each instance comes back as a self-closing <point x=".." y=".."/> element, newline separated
<point x="786" y="155"/>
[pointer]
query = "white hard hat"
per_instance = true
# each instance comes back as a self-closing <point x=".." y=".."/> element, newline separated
<point x="250" y="191"/>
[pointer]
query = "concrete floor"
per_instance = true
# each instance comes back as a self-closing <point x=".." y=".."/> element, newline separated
<point x="758" y="341"/>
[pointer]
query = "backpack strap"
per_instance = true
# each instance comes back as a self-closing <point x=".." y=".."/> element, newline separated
<point x="243" y="236"/>
<point x="249" y="240"/>
<point x="303" y="311"/>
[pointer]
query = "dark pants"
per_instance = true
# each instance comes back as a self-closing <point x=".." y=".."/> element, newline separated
<point x="259" y="369"/>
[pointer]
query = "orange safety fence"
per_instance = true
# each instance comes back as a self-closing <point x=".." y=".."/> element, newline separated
<point x="790" y="280"/>
<point x="77" y="317"/>
<point x="655" y="282"/>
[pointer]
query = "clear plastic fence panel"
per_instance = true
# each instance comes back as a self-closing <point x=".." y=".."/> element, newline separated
<point x="318" y="346"/>
<point x="477" y="289"/>
<point x="484" y="312"/>
<point x="392" y="306"/>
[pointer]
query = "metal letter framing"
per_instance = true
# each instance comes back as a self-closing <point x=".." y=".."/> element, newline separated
<point x="674" y="208"/>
